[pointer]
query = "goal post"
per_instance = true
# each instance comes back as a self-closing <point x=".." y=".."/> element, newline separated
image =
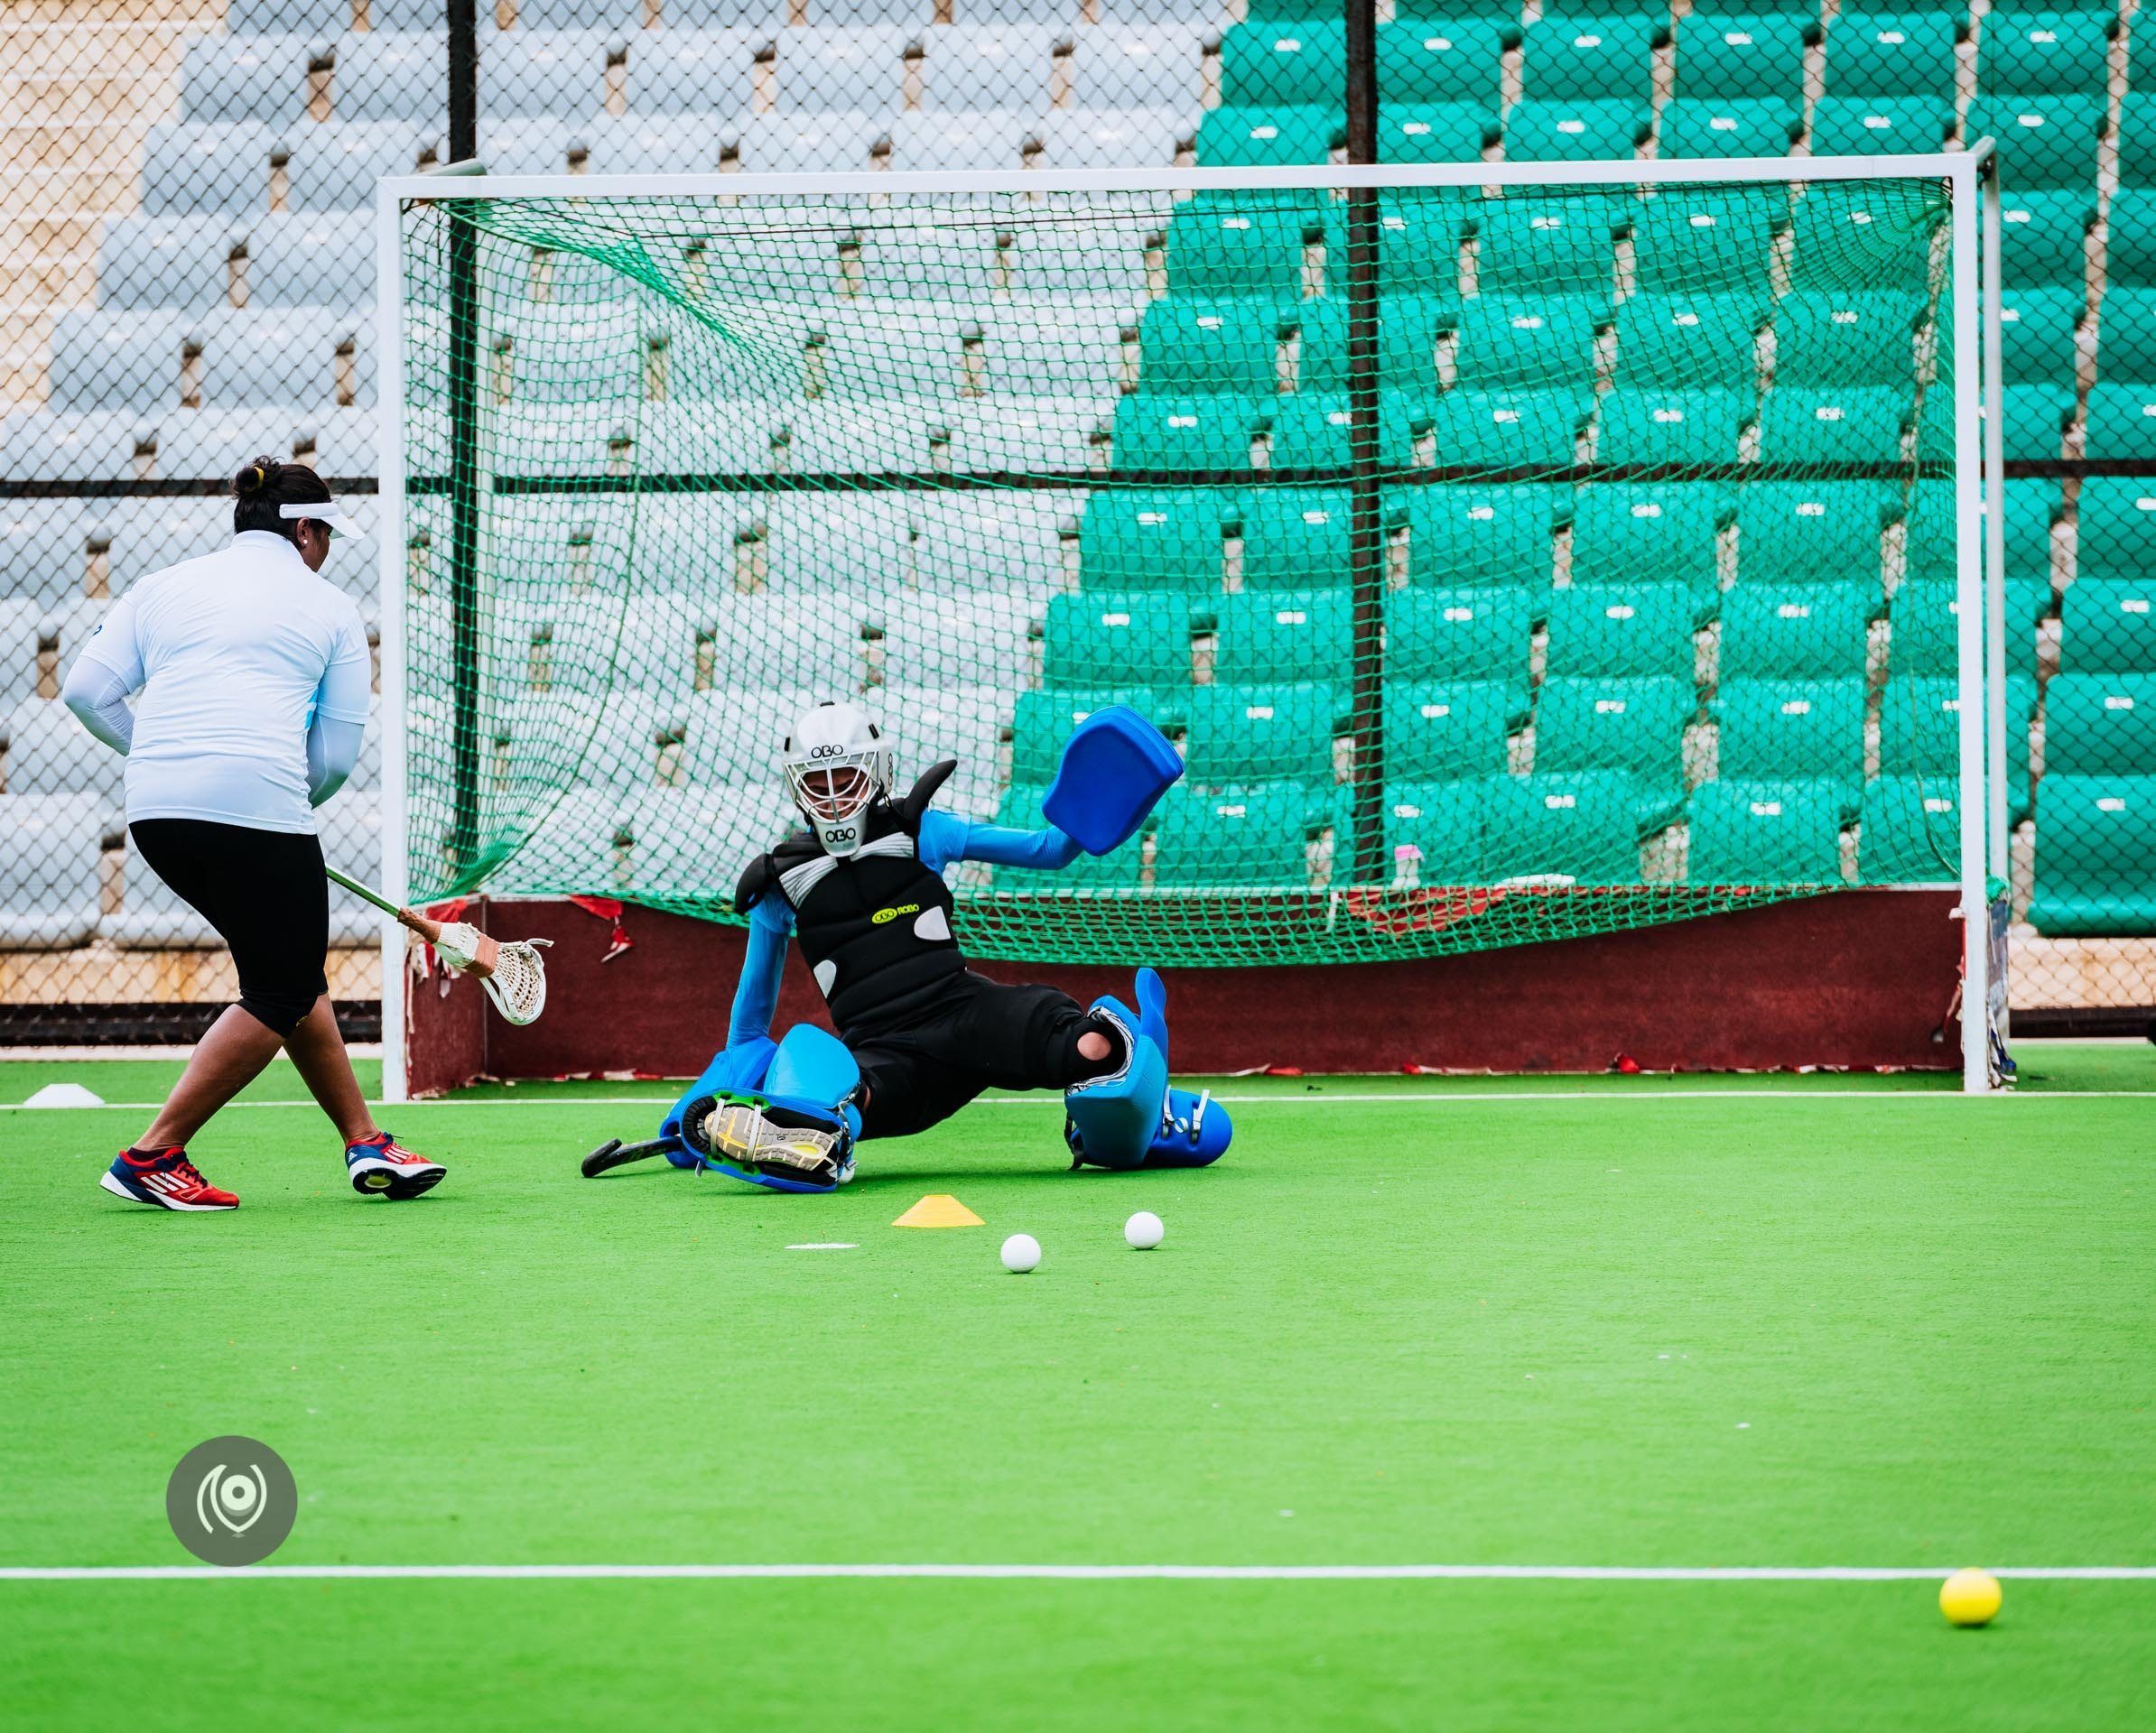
<point x="1603" y="547"/>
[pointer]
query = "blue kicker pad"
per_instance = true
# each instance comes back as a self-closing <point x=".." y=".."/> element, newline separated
<point x="809" y="1072"/>
<point x="1191" y="1130"/>
<point x="1113" y="1120"/>
<point x="1115" y="767"/>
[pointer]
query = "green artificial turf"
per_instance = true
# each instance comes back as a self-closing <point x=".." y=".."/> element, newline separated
<point x="1893" y="1329"/>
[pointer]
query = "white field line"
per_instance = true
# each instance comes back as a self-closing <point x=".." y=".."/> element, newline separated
<point x="1075" y="1572"/>
<point x="1316" y="1098"/>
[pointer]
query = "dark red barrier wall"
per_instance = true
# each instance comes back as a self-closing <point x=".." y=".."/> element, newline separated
<point x="1859" y="978"/>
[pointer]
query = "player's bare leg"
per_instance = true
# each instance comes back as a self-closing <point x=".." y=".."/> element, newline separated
<point x="317" y="1053"/>
<point x="229" y="1058"/>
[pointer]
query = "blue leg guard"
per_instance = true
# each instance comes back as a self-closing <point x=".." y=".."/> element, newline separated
<point x="1109" y="1126"/>
<point x="739" y="1067"/>
<point x="805" y="1082"/>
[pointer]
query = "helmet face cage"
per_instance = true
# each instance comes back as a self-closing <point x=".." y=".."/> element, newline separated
<point x="834" y="770"/>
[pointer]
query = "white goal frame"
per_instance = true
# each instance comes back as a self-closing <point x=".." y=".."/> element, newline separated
<point x="1978" y="449"/>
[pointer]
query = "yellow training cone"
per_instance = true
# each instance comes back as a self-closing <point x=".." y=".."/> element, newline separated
<point x="939" y="1209"/>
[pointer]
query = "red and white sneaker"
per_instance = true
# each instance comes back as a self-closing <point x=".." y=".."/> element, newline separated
<point x="167" y="1180"/>
<point x="381" y="1167"/>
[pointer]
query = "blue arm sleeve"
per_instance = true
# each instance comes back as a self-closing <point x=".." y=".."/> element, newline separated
<point x="756" y="1000"/>
<point x="945" y="838"/>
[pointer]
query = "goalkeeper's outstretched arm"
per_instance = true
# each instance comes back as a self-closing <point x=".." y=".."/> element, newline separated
<point x="946" y="837"/>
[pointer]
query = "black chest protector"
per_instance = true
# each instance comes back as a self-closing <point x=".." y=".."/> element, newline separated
<point x="874" y="925"/>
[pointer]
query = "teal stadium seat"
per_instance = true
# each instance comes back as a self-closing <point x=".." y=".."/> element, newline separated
<point x="1435" y="131"/>
<point x="2044" y="141"/>
<point x="1123" y="869"/>
<point x="2100" y="725"/>
<point x="1286" y="635"/>
<point x="1604" y="56"/>
<point x="1844" y="337"/>
<point x="1634" y="531"/>
<point x="2122" y="422"/>
<point x="2036" y="332"/>
<point x="1893" y="54"/>
<point x="2130" y="259"/>
<point x="1103" y="639"/>
<point x="1420" y="231"/>
<point x="1242" y="248"/>
<point x="1541" y="245"/>
<point x="1510" y="429"/>
<point x="1626" y="628"/>
<point x="1254" y="836"/>
<point x="1154" y="538"/>
<point x="2043" y="237"/>
<point x="1467" y="632"/>
<point x="1460" y="59"/>
<point x="1743" y="57"/>
<point x="1296" y="537"/>
<point x="1919" y="732"/>
<point x="1794" y="728"/>
<point x="1437" y="729"/>
<point x="1812" y="532"/>
<point x="1408" y="330"/>
<point x="2036" y="418"/>
<point x="2108" y="626"/>
<point x="1042" y="721"/>
<point x="1301" y="61"/>
<point x="2117" y="527"/>
<point x="1209" y="345"/>
<point x="1314" y="430"/>
<point x="1910" y="832"/>
<point x="1529" y="340"/>
<point x="2095" y="856"/>
<point x="1632" y="725"/>
<point x="1583" y="825"/>
<point x="2060" y="53"/>
<point x="1877" y="125"/>
<point x="1272" y="733"/>
<point x="1686" y="240"/>
<point x="2137" y="138"/>
<point x="1862" y="237"/>
<point x="1446" y="823"/>
<point x="2126" y="336"/>
<point x="1678" y="339"/>
<point x="1765" y="832"/>
<point x="1926" y="631"/>
<point x="1795" y="631"/>
<point x="1273" y="137"/>
<point x="1479" y="533"/>
<point x="1728" y="126"/>
<point x="1832" y="425"/>
<point x="1664" y="426"/>
<point x="1575" y="129"/>
<point x="1187" y="433"/>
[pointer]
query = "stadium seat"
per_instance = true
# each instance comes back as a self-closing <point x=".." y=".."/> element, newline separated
<point x="335" y="167"/>
<point x="2100" y="725"/>
<point x="97" y="358"/>
<point x="1295" y="538"/>
<point x="2122" y="421"/>
<point x="1269" y="137"/>
<point x="1860" y="237"/>
<point x="1436" y="132"/>
<point x="48" y="876"/>
<point x="987" y="66"/>
<point x="1638" y="628"/>
<point x="260" y="79"/>
<point x="2137" y="139"/>
<point x="2032" y="505"/>
<point x="1811" y="532"/>
<point x="1728" y="126"/>
<point x="2062" y="53"/>
<point x="1823" y="425"/>
<point x="1574" y="129"/>
<point x="1155" y="537"/>
<point x="1529" y="339"/>
<point x="1210" y="346"/>
<point x="1273" y="733"/>
<point x="1893" y="54"/>
<point x="2126" y="336"/>
<point x="1688" y="240"/>
<point x="960" y="636"/>
<point x="1850" y="338"/>
<point x="2108" y="626"/>
<point x="688" y="71"/>
<point x="188" y="168"/>
<point x="152" y="262"/>
<point x="558" y="74"/>
<point x="1443" y="729"/>
<point x="1871" y="126"/>
<point x="1460" y="59"/>
<point x="19" y="616"/>
<point x="1139" y="58"/>
<point x="2095" y="856"/>
<point x="44" y="560"/>
<point x="2044" y="141"/>
<point x="841" y="68"/>
<point x="1469" y="632"/>
<point x="1795" y="631"/>
<point x="1199" y="433"/>
<point x="2036" y="327"/>
<point x="1580" y="825"/>
<point x="1309" y="432"/>
<point x="1663" y="426"/>
<point x="1443" y="825"/>
<point x="1926" y="621"/>
<point x="2043" y="237"/>
<point x="1535" y="244"/>
<point x="1679" y="339"/>
<point x="1919" y="732"/>
<point x="2117" y="518"/>
<point x="1471" y="534"/>
<point x="1742" y="57"/>
<point x="1285" y="635"/>
<point x="1410" y="328"/>
<point x="988" y="139"/>
<point x="1511" y="429"/>
<point x="1299" y="63"/>
<point x="51" y="754"/>
<point x="1634" y="531"/>
<point x="380" y="76"/>
<point x="1419" y="233"/>
<point x="1910" y="832"/>
<point x="310" y="261"/>
<point x="807" y="144"/>
<point x="1633" y="724"/>
<point x="1240" y="248"/>
<point x="1043" y="720"/>
<point x="1765" y="832"/>
<point x="1233" y="837"/>
<point x="1793" y="727"/>
<point x="1112" y="138"/>
<point x="1569" y="57"/>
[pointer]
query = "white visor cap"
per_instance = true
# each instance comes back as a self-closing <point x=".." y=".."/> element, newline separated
<point x="330" y="511"/>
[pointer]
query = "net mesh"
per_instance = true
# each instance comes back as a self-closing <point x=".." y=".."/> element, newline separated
<point x="1506" y="568"/>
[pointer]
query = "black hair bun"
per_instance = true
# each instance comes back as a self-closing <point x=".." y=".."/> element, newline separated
<point x="257" y="477"/>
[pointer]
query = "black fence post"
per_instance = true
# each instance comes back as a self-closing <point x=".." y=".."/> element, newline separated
<point x="463" y="421"/>
<point x="1366" y="528"/>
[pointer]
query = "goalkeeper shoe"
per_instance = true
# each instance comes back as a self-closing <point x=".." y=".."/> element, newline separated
<point x="164" y="1178"/>
<point x="778" y="1148"/>
<point x="381" y="1167"/>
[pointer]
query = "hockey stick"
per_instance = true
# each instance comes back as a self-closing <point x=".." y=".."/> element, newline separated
<point x="514" y="975"/>
<point x="614" y="1154"/>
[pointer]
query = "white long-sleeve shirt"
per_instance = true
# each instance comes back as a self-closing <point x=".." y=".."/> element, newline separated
<point x="254" y="676"/>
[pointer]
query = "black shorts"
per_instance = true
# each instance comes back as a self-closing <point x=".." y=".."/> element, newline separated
<point x="979" y="1035"/>
<point x="265" y="894"/>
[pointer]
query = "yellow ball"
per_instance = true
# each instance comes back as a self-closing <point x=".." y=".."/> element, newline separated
<point x="1970" y="1598"/>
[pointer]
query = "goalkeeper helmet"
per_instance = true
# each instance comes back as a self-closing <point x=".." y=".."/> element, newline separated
<point x="837" y="763"/>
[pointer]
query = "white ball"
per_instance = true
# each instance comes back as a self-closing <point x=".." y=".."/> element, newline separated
<point x="1021" y="1251"/>
<point x="1144" y="1230"/>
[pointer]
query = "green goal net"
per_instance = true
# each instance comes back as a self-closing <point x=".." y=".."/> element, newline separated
<point x="1507" y="564"/>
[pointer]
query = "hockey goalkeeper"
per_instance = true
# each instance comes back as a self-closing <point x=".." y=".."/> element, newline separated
<point x="920" y="1034"/>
